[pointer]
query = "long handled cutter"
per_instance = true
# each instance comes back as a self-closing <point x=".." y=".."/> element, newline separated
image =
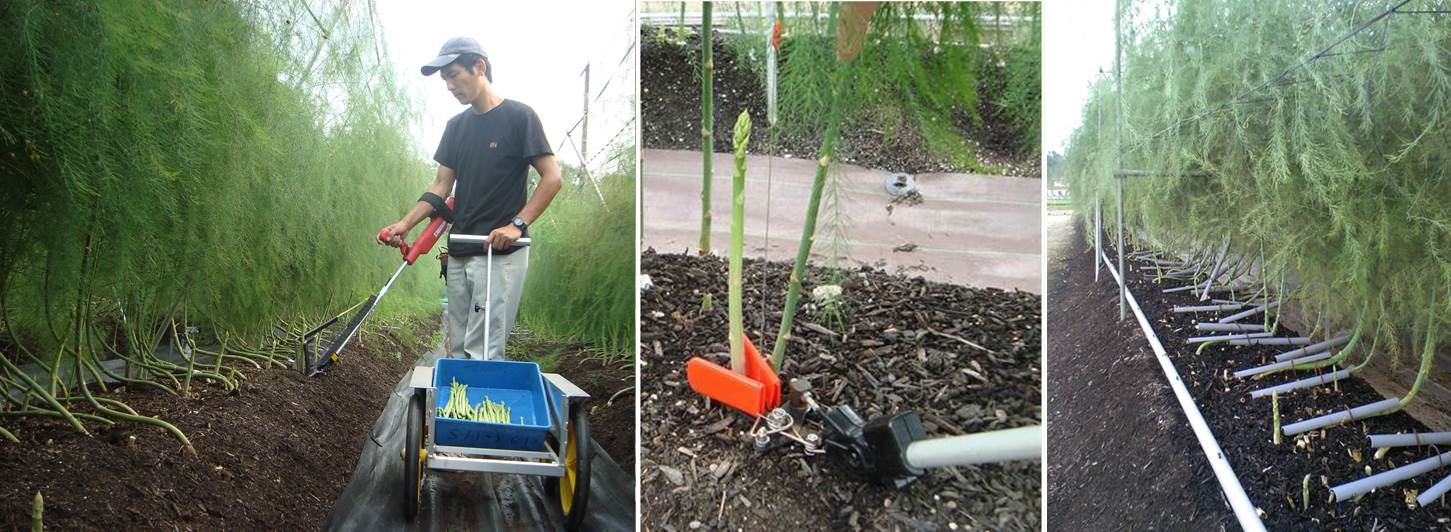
<point x="420" y="246"/>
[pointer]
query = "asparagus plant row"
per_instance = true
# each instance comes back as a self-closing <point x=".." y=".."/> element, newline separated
<point x="1311" y="355"/>
<point x="81" y="362"/>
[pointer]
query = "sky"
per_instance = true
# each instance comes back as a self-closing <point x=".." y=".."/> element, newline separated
<point x="538" y="50"/>
<point x="1077" y="42"/>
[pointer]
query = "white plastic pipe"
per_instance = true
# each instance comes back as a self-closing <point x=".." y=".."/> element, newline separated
<point x="1351" y="490"/>
<point x="1214" y="272"/>
<point x="1410" y="439"/>
<point x="1229" y="327"/>
<point x="1313" y="348"/>
<point x="1302" y="383"/>
<point x="1434" y="492"/>
<point x="1228" y="337"/>
<point x="1242" y="315"/>
<point x="1179" y="289"/>
<point x="1279" y="365"/>
<point x="1239" y="502"/>
<point x="1296" y="340"/>
<point x="1209" y="308"/>
<point x="1343" y="416"/>
<point x="1022" y="443"/>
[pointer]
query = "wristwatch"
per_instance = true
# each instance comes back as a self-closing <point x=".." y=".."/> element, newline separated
<point x="519" y="222"/>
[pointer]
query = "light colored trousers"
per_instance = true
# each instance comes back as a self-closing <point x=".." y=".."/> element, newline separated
<point x="467" y="278"/>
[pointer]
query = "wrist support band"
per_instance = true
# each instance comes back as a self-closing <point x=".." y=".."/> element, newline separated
<point x="439" y="207"/>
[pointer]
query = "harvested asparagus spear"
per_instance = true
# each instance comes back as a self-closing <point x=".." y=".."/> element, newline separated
<point x="487" y="411"/>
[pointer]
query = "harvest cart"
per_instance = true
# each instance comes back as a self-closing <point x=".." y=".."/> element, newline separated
<point x="549" y="437"/>
<point x="546" y="433"/>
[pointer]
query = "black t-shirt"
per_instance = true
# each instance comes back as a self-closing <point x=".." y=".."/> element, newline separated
<point x="490" y="155"/>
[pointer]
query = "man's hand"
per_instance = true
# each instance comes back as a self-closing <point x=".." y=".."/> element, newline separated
<point x="396" y="232"/>
<point x="504" y="237"/>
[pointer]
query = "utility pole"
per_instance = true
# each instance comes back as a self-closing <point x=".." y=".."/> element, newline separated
<point x="584" y="132"/>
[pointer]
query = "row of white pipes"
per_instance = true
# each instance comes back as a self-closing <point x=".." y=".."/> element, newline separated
<point x="1256" y="334"/>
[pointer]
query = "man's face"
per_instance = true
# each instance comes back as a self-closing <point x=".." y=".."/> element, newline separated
<point x="465" y="83"/>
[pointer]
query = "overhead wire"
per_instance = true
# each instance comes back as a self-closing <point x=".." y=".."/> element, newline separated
<point x="1302" y="63"/>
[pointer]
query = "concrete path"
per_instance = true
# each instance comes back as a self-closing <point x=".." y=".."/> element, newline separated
<point x="970" y="230"/>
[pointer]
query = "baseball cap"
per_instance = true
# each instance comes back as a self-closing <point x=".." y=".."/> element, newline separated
<point x="451" y="50"/>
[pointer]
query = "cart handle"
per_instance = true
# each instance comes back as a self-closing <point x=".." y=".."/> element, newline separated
<point x="457" y="240"/>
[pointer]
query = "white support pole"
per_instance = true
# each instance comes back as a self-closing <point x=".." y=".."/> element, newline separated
<point x="1118" y="146"/>
<point x="1097" y="234"/>
<point x="1123" y="288"/>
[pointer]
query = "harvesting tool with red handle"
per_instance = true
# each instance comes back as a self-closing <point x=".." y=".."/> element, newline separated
<point x="755" y="392"/>
<point x="421" y="245"/>
<point x="425" y="240"/>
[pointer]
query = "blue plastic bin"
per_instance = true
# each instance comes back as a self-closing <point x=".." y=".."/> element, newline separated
<point x="519" y="385"/>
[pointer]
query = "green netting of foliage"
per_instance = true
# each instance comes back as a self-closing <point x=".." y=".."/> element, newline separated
<point x="1012" y="78"/>
<point x="920" y="64"/>
<point x="1338" y="172"/>
<point x="159" y="155"/>
<point x="581" y="282"/>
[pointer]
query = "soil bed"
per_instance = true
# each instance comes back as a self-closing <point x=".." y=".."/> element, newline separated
<point x="1121" y="455"/>
<point x="1273" y="475"/>
<point x="670" y="106"/>
<point x="273" y="456"/>
<point x="897" y="354"/>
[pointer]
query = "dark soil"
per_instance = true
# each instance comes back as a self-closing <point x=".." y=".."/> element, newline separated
<point x="611" y="423"/>
<point x="1272" y="475"/>
<point x="273" y="457"/>
<point x="670" y="105"/>
<point x="896" y="355"/>
<point x="1121" y="455"/>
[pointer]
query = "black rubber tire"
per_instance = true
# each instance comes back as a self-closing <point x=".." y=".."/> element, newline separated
<point x="578" y="432"/>
<point x="412" y="463"/>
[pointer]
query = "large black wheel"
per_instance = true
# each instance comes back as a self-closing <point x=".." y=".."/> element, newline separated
<point x="572" y="489"/>
<point x="413" y="457"/>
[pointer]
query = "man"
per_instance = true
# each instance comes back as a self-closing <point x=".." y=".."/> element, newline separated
<point x="484" y="159"/>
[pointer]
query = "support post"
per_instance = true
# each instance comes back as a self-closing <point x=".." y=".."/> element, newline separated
<point x="1123" y="274"/>
<point x="1118" y="145"/>
<point x="583" y="133"/>
<point x="1097" y="235"/>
